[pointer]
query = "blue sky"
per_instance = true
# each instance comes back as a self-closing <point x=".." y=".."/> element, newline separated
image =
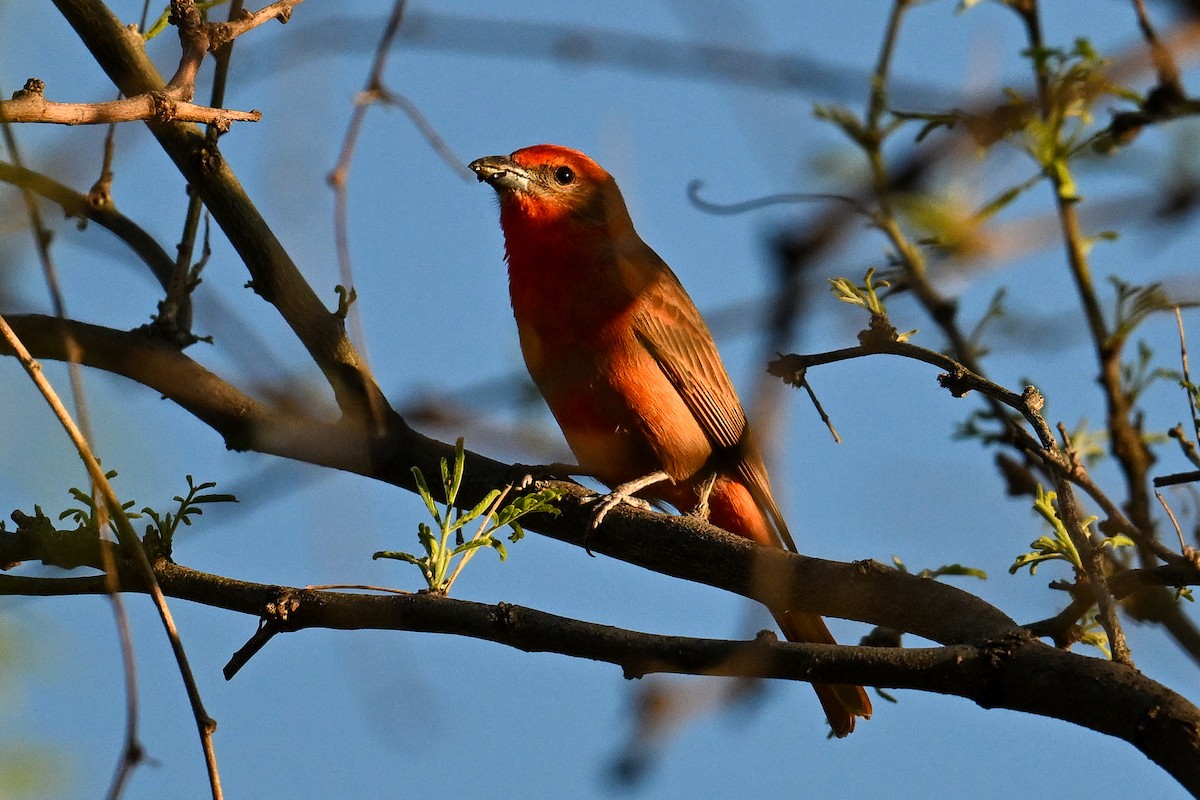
<point x="372" y="714"/>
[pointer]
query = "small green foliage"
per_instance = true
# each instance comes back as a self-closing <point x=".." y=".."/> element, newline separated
<point x="1058" y="546"/>
<point x="868" y="297"/>
<point x="947" y="570"/>
<point x="1074" y="80"/>
<point x="1193" y="395"/>
<point x="1048" y="548"/>
<point x="1090" y="445"/>
<point x="438" y="565"/>
<point x="933" y="120"/>
<point x="165" y="525"/>
<point x="86" y="515"/>
<point x="1093" y="634"/>
<point x="1134" y="304"/>
<point x="1088" y="242"/>
<point x="1185" y="593"/>
<point x="845" y="119"/>
<point x="158" y="534"/>
<point x="1004" y="199"/>
<point x="1139" y="375"/>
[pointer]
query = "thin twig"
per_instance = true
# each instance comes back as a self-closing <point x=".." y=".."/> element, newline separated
<point x="1171" y="514"/>
<point x="469" y="554"/>
<point x="131" y="544"/>
<point x="783" y="198"/>
<point x="366" y="587"/>
<point x="175" y="311"/>
<point x="339" y="178"/>
<point x="242" y="22"/>
<point x="132" y="749"/>
<point x="1187" y="377"/>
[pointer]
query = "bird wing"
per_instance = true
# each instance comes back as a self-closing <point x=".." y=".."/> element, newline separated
<point x="679" y="341"/>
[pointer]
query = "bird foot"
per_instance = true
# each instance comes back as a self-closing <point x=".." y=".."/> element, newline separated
<point x="607" y="502"/>
<point x="620" y="495"/>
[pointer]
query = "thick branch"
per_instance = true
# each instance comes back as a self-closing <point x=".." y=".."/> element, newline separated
<point x="682" y="547"/>
<point x="1014" y="671"/>
<point x="996" y="665"/>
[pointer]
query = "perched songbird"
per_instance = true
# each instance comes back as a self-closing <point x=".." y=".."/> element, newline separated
<point x="627" y="365"/>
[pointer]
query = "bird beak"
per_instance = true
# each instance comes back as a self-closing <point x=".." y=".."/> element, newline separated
<point x="501" y="173"/>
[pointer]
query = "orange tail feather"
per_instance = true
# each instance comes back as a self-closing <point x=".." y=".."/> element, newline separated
<point x="733" y="508"/>
<point x="842" y="701"/>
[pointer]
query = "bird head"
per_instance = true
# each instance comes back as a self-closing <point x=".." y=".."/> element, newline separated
<point x="549" y="184"/>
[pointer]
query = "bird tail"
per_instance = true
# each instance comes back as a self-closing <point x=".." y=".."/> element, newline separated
<point x="842" y="701"/>
<point x="748" y="510"/>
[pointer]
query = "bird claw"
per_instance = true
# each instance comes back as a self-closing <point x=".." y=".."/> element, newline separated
<point x="607" y="502"/>
<point x="622" y="495"/>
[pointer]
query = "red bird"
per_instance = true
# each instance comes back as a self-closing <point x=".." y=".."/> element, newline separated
<point x="628" y="367"/>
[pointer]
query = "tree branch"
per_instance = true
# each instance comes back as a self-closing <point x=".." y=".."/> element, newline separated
<point x="273" y="273"/>
<point x="1011" y="671"/>
<point x="30" y="105"/>
<point x="103" y="213"/>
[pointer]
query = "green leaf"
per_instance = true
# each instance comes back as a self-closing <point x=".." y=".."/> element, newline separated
<point x="426" y="537"/>
<point x="959" y="570"/>
<point x="953" y="570"/>
<point x="445" y="466"/>
<point x="844" y="118"/>
<point x="1135" y="304"/>
<point x="482" y="505"/>
<point x="498" y="545"/>
<point x="438" y="564"/>
<point x="460" y="463"/>
<point x="1119" y="540"/>
<point x="214" y="498"/>
<point x="1094" y="635"/>
<point x="471" y="544"/>
<point x="1047" y="548"/>
<point x="398" y="556"/>
<point x="423" y="490"/>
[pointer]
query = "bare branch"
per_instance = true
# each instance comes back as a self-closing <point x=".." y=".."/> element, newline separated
<point x="30" y="105"/>
<point x="1010" y="671"/>
<point x="273" y="273"/>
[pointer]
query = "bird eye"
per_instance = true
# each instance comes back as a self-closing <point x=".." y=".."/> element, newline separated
<point x="564" y="175"/>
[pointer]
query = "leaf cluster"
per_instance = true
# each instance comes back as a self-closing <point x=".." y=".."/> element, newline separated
<point x="160" y="534"/>
<point x="868" y="296"/>
<point x="1057" y="546"/>
<point x="443" y="558"/>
